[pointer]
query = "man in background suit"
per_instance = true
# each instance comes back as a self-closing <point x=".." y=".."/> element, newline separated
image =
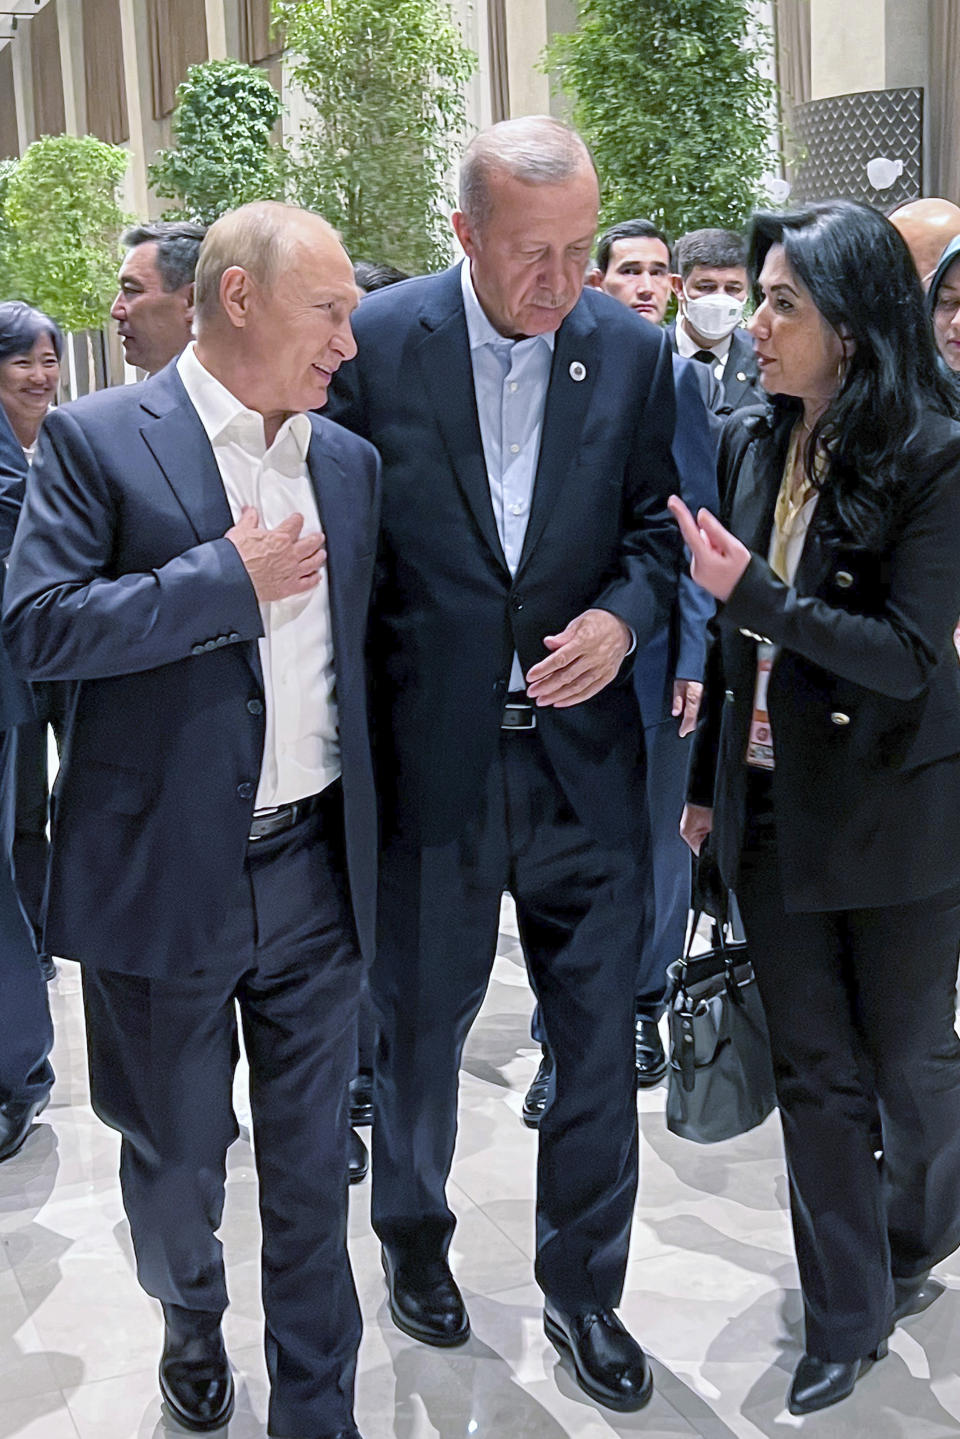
<point x="26" y="1034"/>
<point x="154" y="307"/>
<point x="668" y="675"/>
<point x="214" y="837"/>
<point x="525" y="430"/>
<point x="711" y="287"/>
<point x="633" y="265"/>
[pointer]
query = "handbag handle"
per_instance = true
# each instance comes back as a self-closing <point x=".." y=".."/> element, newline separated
<point x="729" y="975"/>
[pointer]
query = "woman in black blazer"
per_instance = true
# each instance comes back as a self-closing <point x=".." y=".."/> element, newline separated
<point x="827" y="764"/>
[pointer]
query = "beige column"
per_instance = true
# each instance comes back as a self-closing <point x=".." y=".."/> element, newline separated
<point x="526" y="37"/>
<point x="70" y="31"/>
<point x="23" y="87"/>
<point x="217" y="26"/>
<point x="867" y="45"/>
<point x="147" y="135"/>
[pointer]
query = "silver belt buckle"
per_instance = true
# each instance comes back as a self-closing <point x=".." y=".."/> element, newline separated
<point x="518" y="717"/>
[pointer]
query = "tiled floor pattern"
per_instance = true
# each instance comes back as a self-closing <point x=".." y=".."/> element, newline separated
<point x="711" y="1292"/>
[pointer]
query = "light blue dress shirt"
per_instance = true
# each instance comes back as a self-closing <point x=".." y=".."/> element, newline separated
<point x="510" y="380"/>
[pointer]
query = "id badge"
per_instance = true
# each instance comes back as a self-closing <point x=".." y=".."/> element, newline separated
<point x="760" y="743"/>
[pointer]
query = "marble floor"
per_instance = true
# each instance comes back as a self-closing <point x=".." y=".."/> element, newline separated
<point x="711" y="1291"/>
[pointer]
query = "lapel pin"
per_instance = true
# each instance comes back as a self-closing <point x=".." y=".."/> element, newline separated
<point x="578" y="371"/>
<point x="741" y="376"/>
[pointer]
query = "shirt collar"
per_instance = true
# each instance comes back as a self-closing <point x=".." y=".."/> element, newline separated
<point x="224" y="417"/>
<point x="687" y="348"/>
<point x="480" y="331"/>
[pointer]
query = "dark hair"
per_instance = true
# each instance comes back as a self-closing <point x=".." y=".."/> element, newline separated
<point x="371" y="275"/>
<point x="862" y="279"/>
<point x="628" y="230"/>
<point x="21" y="327"/>
<point x="178" y="247"/>
<point x="720" y="249"/>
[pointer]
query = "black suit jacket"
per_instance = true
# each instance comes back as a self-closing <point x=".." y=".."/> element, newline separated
<point x="740" y="385"/>
<point x="864" y="696"/>
<point x="120" y="579"/>
<point x="447" y="615"/>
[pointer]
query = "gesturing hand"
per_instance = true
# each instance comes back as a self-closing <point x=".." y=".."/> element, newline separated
<point x="280" y="562"/>
<point x="585" y="657"/>
<point x="717" y="558"/>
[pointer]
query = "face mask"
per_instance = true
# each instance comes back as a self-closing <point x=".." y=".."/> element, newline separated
<point x="713" y="316"/>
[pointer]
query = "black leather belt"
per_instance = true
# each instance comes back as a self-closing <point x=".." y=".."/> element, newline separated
<point x="275" y="821"/>
<point x="518" y="714"/>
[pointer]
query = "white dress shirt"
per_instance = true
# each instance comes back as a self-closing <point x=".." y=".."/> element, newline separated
<point x="510" y="382"/>
<point x="301" y="752"/>
<point x="687" y="348"/>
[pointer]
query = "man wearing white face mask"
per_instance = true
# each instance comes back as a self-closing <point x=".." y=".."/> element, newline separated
<point x="711" y="290"/>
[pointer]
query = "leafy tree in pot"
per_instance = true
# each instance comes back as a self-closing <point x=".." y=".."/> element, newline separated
<point x="224" y="154"/>
<point x="674" y="102"/>
<point x="63" y="223"/>
<point x="385" y="80"/>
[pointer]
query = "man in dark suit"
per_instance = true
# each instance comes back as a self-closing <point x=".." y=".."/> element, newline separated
<point x="525" y="429"/>
<point x="711" y="287"/>
<point x="214" y="817"/>
<point x="26" y="1034"/>
<point x="668" y="672"/>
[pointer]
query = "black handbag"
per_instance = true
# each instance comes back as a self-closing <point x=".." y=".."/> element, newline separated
<point x="720" y="1077"/>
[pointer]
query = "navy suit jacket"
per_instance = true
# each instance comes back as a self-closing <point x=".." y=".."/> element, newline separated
<point x="120" y="579"/>
<point x="740" y="385"/>
<point x="679" y="652"/>
<point x="16" y="703"/>
<point x="447" y="614"/>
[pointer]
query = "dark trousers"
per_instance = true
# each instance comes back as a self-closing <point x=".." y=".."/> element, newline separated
<point x="670" y="866"/>
<point x="162" y="1057"/>
<point x="26" y="1033"/>
<point x="860" y="1006"/>
<point x="579" y="908"/>
<point x="31" y="847"/>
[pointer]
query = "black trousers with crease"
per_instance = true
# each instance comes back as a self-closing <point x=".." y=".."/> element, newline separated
<point x="860" y="1004"/>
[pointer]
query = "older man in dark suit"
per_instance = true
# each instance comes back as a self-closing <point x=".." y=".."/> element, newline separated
<point x="214" y="823"/>
<point x="525" y="428"/>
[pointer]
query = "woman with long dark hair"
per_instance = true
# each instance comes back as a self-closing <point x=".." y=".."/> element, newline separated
<point x="828" y="763"/>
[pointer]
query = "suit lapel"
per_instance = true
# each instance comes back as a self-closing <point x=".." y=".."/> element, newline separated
<point x="331" y="491"/>
<point x="444" y="357"/>
<point x="758" y="485"/>
<point x="179" y="444"/>
<point x="572" y="380"/>
<point x="740" y="362"/>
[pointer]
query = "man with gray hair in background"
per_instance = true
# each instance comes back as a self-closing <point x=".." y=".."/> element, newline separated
<point x="214" y="845"/>
<point x="525" y="428"/>
<point x="155" y="303"/>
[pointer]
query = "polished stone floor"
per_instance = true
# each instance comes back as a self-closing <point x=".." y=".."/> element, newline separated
<point x="711" y="1292"/>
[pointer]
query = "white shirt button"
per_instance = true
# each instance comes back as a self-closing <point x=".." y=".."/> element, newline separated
<point x="514" y="449"/>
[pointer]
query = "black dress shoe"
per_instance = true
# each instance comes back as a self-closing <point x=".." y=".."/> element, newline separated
<point x="651" y="1059"/>
<point x="913" y="1296"/>
<point x="359" y="1159"/>
<point x="608" y="1362"/>
<point x="195" y="1378"/>
<point x="537" y="1096"/>
<point x="425" y="1301"/>
<point x="361" y="1099"/>
<point x="817" y="1383"/>
<point x="16" y="1121"/>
